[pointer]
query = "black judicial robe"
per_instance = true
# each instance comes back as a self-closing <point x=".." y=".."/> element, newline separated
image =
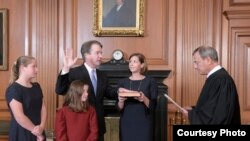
<point x="218" y="102"/>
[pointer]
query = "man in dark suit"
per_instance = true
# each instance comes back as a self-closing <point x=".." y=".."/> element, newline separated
<point x="123" y="14"/>
<point x="92" y="54"/>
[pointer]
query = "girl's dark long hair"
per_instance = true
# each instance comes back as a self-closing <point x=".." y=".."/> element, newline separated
<point x="73" y="97"/>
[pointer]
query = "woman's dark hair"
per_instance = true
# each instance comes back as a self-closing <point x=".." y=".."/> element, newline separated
<point x="142" y="60"/>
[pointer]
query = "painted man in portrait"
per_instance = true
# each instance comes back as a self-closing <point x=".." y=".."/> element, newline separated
<point x="123" y="14"/>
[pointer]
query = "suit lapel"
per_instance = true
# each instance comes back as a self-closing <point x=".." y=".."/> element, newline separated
<point x="98" y="82"/>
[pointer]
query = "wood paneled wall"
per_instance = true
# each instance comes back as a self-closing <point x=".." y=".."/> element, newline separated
<point x="238" y="43"/>
<point x="17" y="45"/>
<point x="198" y="23"/>
<point x="43" y="39"/>
<point x="49" y="26"/>
<point x="173" y="28"/>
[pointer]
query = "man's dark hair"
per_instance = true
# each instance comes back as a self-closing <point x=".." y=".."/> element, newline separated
<point x="86" y="47"/>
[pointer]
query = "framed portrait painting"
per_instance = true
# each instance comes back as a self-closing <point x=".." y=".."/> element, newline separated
<point x="118" y="17"/>
<point x="3" y="39"/>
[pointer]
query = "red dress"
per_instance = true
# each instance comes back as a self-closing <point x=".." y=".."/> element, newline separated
<point x="76" y="126"/>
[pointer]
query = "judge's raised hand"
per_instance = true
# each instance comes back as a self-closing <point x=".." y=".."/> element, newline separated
<point x="68" y="60"/>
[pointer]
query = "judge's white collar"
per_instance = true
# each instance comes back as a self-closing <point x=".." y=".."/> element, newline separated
<point x="214" y="70"/>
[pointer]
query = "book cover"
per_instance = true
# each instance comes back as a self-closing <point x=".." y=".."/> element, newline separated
<point x="130" y="94"/>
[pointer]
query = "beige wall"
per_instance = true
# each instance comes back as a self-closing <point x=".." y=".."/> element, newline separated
<point x="173" y="28"/>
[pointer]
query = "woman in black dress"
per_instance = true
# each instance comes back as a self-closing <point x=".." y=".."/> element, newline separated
<point x="25" y="101"/>
<point x="136" y="121"/>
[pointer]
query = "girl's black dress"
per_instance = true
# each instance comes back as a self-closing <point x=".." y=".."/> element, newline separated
<point x="31" y="100"/>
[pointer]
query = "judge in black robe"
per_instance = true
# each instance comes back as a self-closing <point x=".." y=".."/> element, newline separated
<point x="218" y="102"/>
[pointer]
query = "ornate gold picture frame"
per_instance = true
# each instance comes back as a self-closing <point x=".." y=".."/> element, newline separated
<point x="118" y="18"/>
<point x="3" y="39"/>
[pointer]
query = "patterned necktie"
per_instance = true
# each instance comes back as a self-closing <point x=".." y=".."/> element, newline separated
<point x="93" y="80"/>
